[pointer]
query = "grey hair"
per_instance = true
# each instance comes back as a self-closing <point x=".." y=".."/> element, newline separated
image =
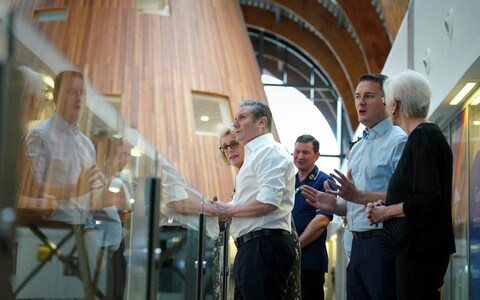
<point x="412" y="90"/>
<point x="259" y="109"/>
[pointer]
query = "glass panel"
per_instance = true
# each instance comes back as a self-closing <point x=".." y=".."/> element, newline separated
<point x="9" y="139"/>
<point x="474" y="224"/>
<point x="181" y="236"/>
<point x="460" y="202"/>
<point x="85" y="196"/>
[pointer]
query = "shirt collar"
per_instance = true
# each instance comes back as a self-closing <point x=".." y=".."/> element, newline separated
<point x="259" y="141"/>
<point x="381" y="128"/>
<point x="314" y="174"/>
<point x="60" y="124"/>
<point x="311" y="176"/>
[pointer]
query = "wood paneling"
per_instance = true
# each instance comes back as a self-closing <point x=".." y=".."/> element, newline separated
<point x="394" y="11"/>
<point x="155" y="62"/>
<point x="370" y="31"/>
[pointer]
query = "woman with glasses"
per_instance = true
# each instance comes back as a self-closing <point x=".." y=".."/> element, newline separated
<point x="231" y="150"/>
<point x="232" y="153"/>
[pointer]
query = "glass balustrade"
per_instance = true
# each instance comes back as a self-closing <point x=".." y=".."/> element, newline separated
<point x="95" y="211"/>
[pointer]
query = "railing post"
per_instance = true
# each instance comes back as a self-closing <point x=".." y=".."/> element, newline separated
<point x="152" y="245"/>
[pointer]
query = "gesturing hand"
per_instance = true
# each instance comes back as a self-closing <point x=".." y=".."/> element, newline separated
<point x="344" y="185"/>
<point x="89" y="179"/>
<point x="319" y="200"/>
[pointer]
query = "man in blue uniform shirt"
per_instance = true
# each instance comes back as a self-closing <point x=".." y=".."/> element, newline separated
<point x="311" y="223"/>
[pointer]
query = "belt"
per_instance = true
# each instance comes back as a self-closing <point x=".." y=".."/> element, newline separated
<point x="258" y="234"/>
<point x="360" y="235"/>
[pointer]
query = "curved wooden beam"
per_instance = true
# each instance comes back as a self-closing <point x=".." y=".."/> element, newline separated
<point x="370" y="31"/>
<point x="394" y="11"/>
<point x="340" y="42"/>
<point x="311" y="45"/>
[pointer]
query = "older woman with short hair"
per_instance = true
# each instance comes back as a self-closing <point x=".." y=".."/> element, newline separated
<point x="231" y="151"/>
<point x="420" y="191"/>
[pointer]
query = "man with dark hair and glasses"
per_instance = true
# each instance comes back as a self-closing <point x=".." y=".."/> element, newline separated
<point x="261" y="207"/>
<point x="370" y="272"/>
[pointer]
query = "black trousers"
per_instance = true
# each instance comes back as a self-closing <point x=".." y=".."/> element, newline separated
<point x="261" y="268"/>
<point x="420" y="276"/>
<point x="312" y="284"/>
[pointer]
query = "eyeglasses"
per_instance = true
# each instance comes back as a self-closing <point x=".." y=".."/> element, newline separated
<point x="234" y="145"/>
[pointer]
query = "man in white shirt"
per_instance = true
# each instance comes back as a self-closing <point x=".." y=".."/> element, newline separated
<point x="261" y="207"/>
<point x="60" y="154"/>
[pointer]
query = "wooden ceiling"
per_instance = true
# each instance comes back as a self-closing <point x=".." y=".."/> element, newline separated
<point x="344" y="38"/>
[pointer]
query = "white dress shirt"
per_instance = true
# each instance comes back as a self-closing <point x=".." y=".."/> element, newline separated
<point x="58" y="152"/>
<point x="268" y="176"/>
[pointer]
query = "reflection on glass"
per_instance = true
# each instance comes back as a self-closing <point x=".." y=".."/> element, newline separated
<point x="180" y="206"/>
<point x="459" y="205"/>
<point x="82" y="215"/>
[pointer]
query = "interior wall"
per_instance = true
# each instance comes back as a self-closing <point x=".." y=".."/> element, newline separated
<point x="452" y="61"/>
<point x="397" y="60"/>
<point x="450" y="58"/>
<point x="155" y="63"/>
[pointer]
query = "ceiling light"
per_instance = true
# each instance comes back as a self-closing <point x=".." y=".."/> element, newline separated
<point x="135" y="152"/>
<point x="204" y="118"/>
<point x="115" y="185"/>
<point x="476" y="123"/>
<point x="476" y="101"/>
<point x="48" y="80"/>
<point x="467" y="88"/>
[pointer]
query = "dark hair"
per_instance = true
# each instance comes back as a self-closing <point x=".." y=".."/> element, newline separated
<point x="352" y="143"/>
<point x="259" y="109"/>
<point x="306" y="138"/>
<point x="61" y="77"/>
<point x="380" y="78"/>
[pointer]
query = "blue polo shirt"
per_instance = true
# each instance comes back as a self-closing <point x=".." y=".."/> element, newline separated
<point x="314" y="256"/>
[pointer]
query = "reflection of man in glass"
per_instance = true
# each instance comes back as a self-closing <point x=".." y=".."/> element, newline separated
<point x="38" y="199"/>
<point x="113" y="154"/>
<point x="59" y="152"/>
